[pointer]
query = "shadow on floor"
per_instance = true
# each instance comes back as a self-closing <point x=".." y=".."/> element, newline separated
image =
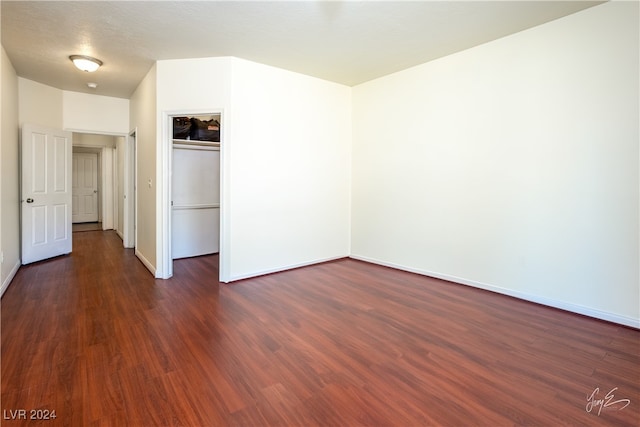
<point x="87" y="226"/>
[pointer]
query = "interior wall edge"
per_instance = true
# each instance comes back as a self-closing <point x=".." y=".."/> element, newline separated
<point x="148" y="265"/>
<point x="549" y="302"/>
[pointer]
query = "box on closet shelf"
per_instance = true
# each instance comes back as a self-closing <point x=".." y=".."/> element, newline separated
<point x="205" y="130"/>
<point x="181" y="127"/>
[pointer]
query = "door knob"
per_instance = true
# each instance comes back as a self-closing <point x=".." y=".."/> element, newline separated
<point x="29" y="200"/>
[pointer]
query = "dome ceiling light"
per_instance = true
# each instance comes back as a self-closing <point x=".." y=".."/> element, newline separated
<point x="85" y="63"/>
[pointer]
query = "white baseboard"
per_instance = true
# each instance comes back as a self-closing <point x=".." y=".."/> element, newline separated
<point x="562" y="305"/>
<point x="146" y="262"/>
<point x="10" y="277"/>
<point x="281" y="269"/>
<point x="120" y="235"/>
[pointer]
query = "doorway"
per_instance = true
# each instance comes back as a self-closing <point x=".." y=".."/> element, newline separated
<point x="94" y="184"/>
<point x="106" y="179"/>
<point x="194" y="157"/>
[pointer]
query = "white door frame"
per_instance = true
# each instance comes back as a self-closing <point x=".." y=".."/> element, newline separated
<point x="116" y="189"/>
<point x="101" y="150"/>
<point x="107" y="181"/>
<point x="164" y="267"/>
<point x="109" y="192"/>
<point x="97" y="192"/>
<point x="130" y="200"/>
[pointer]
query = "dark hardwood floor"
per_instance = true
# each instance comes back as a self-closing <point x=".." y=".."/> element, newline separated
<point x="94" y="337"/>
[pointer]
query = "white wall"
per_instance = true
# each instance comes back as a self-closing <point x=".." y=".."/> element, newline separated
<point x="143" y="118"/>
<point x="194" y="84"/>
<point x="285" y="160"/>
<point x="79" y="112"/>
<point x="120" y="191"/>
<point x="9" y="161"/>
<point x="512" y="166"/>
<point x="288" y="172"/>
<point x="107" y="195"/>
<point x="82" y="112"/>
<point x="191" y="85"/>
<point x="39" y="104"/>
<point x="94" y="140"/>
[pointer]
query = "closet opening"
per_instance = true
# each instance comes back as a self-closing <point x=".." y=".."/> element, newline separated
<point x="195" y="185"/>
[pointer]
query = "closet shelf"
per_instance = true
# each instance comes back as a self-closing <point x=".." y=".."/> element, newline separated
<point x="196" y="142"/>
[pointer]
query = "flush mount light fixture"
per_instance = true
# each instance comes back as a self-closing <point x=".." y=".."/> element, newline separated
<point x="85" y="63"/>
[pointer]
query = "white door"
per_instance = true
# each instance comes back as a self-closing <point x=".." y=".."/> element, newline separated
<point x="195" y="222"/>
<point x="85" y="187"/>
<point x="46" y="193"/>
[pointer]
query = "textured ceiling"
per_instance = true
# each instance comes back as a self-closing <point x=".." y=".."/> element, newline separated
<point x="348" y="42"/>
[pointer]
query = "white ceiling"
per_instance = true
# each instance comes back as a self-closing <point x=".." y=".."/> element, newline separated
<point x="348" y="42"/>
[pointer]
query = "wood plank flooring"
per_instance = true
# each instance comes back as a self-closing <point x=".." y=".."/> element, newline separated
<point x="94" y="337"/>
